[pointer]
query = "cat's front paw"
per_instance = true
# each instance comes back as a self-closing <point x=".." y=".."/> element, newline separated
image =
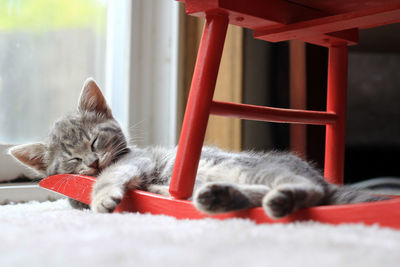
<point x="219" y="197"/>
<point x="106" y="199"/>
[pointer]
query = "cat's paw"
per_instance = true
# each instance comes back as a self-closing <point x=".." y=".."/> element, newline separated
<point x="220" y="197"/>
<point x="106" y="199"/>
<point x="283" y="201"/>
<point x="278" y="203"/>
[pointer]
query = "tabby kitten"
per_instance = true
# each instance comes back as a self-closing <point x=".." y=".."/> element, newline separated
<point x="91" y="142"/>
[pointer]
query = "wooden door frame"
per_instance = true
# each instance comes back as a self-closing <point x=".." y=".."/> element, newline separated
<point x="223" y="132"/>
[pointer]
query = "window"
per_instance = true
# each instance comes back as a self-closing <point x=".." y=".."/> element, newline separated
<point x="47" y="49"/>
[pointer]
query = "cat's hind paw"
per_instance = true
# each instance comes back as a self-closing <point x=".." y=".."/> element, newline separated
<point x="215" y="198"/>
<point x="106" y="200"/>
<point x="279" y="203"/>
<point x="284" y="200"/>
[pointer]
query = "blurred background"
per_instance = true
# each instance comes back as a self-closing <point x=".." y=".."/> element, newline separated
<point x="142" y="54"/>
<point x="47" y="49"/>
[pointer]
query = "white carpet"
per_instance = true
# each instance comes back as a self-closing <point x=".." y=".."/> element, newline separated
<point x="52" y="234"/>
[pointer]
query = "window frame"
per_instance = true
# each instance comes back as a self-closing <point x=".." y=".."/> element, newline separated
<point x="151" y="42"/>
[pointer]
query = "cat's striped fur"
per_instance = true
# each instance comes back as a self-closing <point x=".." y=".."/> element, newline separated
<point x="91" y="142"/>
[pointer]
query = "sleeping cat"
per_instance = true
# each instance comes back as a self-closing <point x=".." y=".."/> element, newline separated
<point x="91" y="142"/>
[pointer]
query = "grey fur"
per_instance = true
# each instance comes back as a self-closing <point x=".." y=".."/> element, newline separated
<point x="90" y="141"/>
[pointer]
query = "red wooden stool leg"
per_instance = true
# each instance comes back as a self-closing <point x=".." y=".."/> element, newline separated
<point x="336" y="102"/>
<point x="198" y="106"/>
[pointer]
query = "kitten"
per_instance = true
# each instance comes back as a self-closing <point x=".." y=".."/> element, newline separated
<point x="91" y="142"/>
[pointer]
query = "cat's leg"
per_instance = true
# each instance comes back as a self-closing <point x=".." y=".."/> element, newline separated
<point x="111" y="185"/>
<point x="346" y="195"/>
<point x="159" y="189"/>
<point x="290" y="193"/>
<point x="219" y="197"/>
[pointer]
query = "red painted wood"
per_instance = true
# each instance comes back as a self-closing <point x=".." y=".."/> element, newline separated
<point x="324" y="23"/>
<point x="332" y="7"/>
<point x="360" y="19"/>
<point x="254" y="15"/>
<point x="198" y="107"/>
<point x="252" y="112"/>
<point x="266" y="13"/>
<point x="383" y="213"/>
<point x="349" y="37"/>
<point x="336" y="103"/>
<point x="74" y="186"/>
<point x="298" y="95"/>
<point x="343" y="6"/>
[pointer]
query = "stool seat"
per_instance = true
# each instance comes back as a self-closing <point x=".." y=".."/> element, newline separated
<point x="323" y="23"/>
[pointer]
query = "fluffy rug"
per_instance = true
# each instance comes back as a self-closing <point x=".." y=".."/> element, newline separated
<point x="53" y="234"/>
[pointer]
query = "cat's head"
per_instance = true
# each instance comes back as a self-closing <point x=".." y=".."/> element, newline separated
<point x="83" y="142"/>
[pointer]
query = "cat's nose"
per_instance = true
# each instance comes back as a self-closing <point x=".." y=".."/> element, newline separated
<point x="94" y="164"/>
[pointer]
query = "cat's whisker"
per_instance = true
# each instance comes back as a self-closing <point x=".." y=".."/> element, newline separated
<point x="138" y="132"/>
<point x="136" y="138"/>
<point x="136" y="124"/>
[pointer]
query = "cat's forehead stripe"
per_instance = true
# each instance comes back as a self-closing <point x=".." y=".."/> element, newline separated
<point x="64" y="148"/>
<point x="84" y="133"/>
<point x="74" y="122"/>
<point x="109" y="129"/>
<point x="68" y="145"/>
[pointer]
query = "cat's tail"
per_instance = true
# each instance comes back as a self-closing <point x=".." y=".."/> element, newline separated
<point x="346" y="195"/>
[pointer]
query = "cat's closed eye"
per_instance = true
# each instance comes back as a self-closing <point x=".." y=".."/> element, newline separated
<point x="76" y="159"/>
<point x="94" y="143"/>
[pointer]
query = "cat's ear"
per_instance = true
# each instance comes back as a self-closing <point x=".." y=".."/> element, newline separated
<point x="32" y="155"/>
<point x="92" y="100"/>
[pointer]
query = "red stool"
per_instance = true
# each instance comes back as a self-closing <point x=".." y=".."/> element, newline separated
<point x="271" y="20"/>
